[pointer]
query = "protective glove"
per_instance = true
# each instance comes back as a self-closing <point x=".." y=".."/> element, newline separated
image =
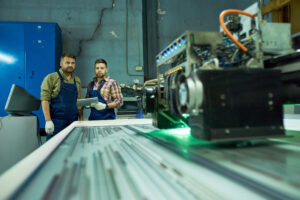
<point x="49" y="127"/>
<point x="99" y="106"/>
<point x="87" y="107"/>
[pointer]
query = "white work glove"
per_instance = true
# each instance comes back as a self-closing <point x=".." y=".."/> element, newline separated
<point x="99" y="106"/>
<point x="49" y="127"/>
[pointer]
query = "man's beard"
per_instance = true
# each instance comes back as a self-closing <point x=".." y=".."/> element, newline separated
<point x="100" y="75"/>
<point x="69" y="70"/>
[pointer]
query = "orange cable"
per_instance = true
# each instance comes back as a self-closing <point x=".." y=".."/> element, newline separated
<point x="228" y="33"/>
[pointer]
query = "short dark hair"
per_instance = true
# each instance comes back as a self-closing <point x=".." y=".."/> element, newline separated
<point x="69" y="55"/>
<point x="100" y="60"/>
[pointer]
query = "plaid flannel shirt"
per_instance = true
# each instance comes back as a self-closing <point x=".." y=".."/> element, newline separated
<point x="110" y="92"/>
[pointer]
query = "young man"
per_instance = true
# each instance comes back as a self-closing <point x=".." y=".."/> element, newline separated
<point x="108" y="92"/>
<point x="61" y="89"/>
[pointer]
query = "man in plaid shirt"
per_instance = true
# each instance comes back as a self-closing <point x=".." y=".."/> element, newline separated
<point x="108" y="92"/>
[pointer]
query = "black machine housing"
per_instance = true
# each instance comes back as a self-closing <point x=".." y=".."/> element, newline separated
<point x="239" y="104"/>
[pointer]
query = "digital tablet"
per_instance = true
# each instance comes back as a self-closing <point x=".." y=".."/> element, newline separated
<point x="87" y="101"/>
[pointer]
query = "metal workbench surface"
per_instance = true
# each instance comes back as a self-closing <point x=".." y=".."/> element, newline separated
<point x="131" y="159"/>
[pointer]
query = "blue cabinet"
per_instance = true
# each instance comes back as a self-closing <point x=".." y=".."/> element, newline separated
<point x="28" y="52"/>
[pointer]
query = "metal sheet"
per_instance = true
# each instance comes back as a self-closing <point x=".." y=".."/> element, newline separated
<point x="18" y="138"/>
<point x="110" y="159"/>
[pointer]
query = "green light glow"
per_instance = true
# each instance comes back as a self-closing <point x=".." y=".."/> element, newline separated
<point x="177" y="136"/>
<point x="185" y="132"/>
<point x="185" y="115"/>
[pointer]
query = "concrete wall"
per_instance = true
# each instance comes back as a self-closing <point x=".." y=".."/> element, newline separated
<point x="127" y="33"/>
<point x="91" y="29"/>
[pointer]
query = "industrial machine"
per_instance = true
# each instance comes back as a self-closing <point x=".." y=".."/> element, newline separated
<point x="19" y="132"/>
<point x="217" y="84"/>
<point x="131" y="106"/>
<point x="207" y="87"/>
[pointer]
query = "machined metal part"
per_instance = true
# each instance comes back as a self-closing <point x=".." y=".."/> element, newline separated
<point x="148" y="99"/>
<point x="234" y="24"/>
<point x="182" y="49"/>
<point x="276" y="38"/>
<point x="173" y="93"/>
<point x="190" y="94"/>
<point x="167" y="89"/>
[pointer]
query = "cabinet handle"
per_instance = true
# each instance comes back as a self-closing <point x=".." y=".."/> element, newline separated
<point x="31" y="74"/>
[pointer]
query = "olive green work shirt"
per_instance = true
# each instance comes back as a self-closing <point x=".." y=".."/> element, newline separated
<point x="50" y="87"/>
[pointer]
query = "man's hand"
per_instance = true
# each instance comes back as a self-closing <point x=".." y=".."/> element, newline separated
<point x="99" y="106"/>
<point x="49" y="127"/>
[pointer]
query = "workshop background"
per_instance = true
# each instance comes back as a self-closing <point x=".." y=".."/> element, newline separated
<point x="220" y="123"/>
<point x="127" y="33"/>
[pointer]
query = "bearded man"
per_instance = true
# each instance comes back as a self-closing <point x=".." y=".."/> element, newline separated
<point x="108" y="92"/>
<point x="61" y="90"/>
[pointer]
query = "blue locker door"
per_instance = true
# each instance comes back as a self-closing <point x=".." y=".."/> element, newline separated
<point x="11" y="59"/>
<point x="40" y="57"/>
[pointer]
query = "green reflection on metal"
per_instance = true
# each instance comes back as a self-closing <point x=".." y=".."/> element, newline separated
<point x="293" y="136"/>
<point x="291" y="104"/>
<point x="292" y="132"/>
<point x="178" y="136"/>
<point x="166" y="120"/>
